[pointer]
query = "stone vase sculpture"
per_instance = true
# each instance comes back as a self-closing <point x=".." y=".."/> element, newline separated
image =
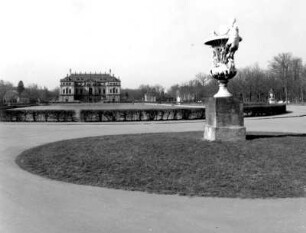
<point x="223" y="65"/>
<point x="224" y="114"/>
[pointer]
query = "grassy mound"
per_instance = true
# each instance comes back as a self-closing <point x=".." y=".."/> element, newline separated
<point x="177" y="163"/>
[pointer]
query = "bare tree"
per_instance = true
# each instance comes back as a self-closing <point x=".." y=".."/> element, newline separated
<point x="203" y="79"/>
<point x="303" y="83"/>
<point x="4" y="87"/>
<point x="297" y="78"/>
<point x="280" y="66"/>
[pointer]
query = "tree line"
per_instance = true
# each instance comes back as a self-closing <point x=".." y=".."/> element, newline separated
<point x="137" y="95"/>
<point x="285" y="77"/>
<point x="33" y="92"/>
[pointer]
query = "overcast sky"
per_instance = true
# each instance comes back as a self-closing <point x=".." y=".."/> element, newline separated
<point x="141" y="41"/>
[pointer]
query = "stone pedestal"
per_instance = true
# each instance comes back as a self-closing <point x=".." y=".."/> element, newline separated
<point x="224" y="120"/>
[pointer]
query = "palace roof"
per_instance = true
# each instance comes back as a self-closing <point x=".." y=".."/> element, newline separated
<point x="95" y="77"/>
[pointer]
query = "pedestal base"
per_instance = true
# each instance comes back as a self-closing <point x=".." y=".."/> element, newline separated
<point x="223" y="91"/>
<point x="224" y="120"/>
<point x="233" y="133"/>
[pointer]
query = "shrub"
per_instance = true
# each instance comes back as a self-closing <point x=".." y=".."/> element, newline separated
<point x="23" y="115"/>
<point x="142" y="114"/>
<point x="263" y="109"/>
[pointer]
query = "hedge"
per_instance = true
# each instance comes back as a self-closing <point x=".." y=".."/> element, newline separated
<point x="23" y="115"/>
<point x="263" y="109"/>
<point x="142" y="114"/>
<point x="102" y="115"/>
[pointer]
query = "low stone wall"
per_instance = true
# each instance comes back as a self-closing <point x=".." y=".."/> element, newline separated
<point x="99" y="115"/>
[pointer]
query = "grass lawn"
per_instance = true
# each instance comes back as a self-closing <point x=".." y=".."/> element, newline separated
<point x="177" y="163"/>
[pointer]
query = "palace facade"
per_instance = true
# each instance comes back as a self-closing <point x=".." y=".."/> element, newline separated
<point x="90" y="87"/>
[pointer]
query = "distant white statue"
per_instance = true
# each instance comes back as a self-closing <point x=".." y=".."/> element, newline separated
<point x="271" y="98"/>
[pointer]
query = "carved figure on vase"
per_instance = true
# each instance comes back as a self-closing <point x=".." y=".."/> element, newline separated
<point x="232" y="44"/>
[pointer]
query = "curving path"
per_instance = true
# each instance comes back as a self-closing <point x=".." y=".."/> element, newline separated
<point x="30" y="203"/>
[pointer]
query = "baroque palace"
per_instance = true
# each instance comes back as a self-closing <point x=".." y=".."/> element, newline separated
<point x="90" y="87"/>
